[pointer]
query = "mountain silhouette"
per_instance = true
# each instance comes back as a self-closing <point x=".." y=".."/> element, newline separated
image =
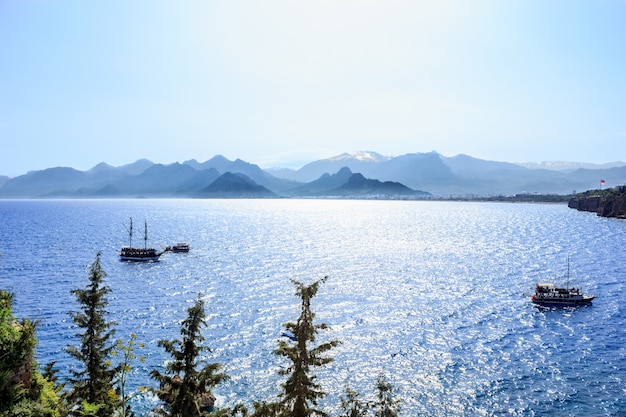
<point x="430" y="173"/>
<point x="234" y="185"/>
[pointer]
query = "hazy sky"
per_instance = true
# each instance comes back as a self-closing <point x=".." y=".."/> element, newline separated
<point x="285" y="82"/>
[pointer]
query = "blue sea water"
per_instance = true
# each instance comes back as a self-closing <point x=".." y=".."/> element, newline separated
<point x="430" y="294"/>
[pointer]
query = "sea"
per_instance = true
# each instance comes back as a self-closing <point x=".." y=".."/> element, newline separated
<point x="430" y="295"/>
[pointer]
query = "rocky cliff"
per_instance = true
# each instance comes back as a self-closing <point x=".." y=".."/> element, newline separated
<point x="605" y="203"/>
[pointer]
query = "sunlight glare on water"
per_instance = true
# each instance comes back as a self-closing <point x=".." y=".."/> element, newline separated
<point x="430" y="294"/>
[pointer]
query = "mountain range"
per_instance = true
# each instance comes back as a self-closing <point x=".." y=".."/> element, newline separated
<point x="363" y="174"/>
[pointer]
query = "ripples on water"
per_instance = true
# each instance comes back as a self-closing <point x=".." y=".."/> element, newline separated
<point x="428" y="293"/>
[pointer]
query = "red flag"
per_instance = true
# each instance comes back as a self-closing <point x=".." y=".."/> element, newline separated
<point x="602" y="181"/>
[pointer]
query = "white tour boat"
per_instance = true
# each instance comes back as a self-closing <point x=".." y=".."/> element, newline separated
<point x="550" y="295"/>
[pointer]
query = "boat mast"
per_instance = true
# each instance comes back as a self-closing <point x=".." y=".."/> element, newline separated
<point x="568" y="272"/>
<point x="130" y="234"/>
<point x="145" y="235"/>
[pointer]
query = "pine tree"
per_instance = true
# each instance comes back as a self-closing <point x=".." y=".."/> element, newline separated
<point x="300" y="391"/>
<point x="351" y="405"/>
<point x="93" y="384"/>
<point x="386" y="405"/>
<point x="186" y="390"/>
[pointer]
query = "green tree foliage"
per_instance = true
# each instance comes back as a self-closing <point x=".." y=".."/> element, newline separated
<point x="386" y="405"/>
<point x="24" y="391"/>
<point x="301" y="392"/>
<point x="94" y="383"/>
<point x="89" y="410"/>
<point x="50" y="373"/>
<point x="185" y="389"/>
<point x="351" y="405"/>
<point x="126" y="351"/>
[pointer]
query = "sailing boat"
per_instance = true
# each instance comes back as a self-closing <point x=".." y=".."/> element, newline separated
<point x="548" y="295"/>
<point x="128" y="253"/>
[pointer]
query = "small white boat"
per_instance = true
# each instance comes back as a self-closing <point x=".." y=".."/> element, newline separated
<point x="179" y="247"/>
<point x="128" y="253"/>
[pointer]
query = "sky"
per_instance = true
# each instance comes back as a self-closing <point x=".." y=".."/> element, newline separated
<point x="280" y="83"/>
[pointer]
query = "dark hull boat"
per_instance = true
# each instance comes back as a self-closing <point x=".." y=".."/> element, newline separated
<point x="145" y="254"/>
<point x="548" y="294"/>
<point x="139" y="254"/>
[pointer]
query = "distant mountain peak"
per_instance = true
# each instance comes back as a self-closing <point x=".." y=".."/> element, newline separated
<point x="218" y="158"/>
<point x="102" y="166"/>
<point x="362" y="156"/>
<point x="344" y="171"/>
<point x="235" y="185"/>
<point x="565" y="165"/>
